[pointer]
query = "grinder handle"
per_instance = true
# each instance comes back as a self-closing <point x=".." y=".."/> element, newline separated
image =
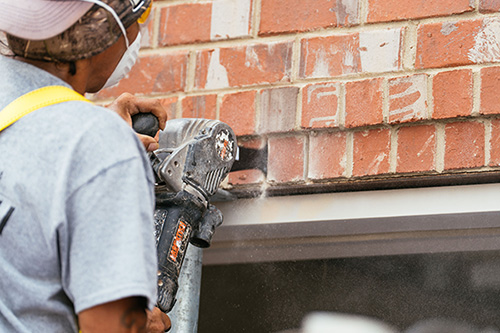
<point x="145" y="123"/>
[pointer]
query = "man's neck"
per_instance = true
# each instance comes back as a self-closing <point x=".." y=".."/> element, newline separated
<point x="77" y="80"/>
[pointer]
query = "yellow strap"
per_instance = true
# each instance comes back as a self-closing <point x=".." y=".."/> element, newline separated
<point x="37" y="99"/>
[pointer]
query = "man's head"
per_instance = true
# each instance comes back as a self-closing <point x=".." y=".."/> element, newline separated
<point x="66" y="30"/>
<point x="90" y="44"/>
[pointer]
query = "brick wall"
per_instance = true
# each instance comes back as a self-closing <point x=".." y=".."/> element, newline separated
<point x="338" y="89"/>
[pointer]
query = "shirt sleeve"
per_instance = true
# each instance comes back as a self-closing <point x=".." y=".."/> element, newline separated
<point x="111" y="247"/>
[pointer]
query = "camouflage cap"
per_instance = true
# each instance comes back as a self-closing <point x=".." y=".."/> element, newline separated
<point x="93" y="33"/>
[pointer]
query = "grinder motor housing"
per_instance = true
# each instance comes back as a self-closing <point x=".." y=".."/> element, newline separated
<point x="194" y="157"/>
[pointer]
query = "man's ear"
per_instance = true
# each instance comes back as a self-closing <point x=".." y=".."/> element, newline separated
<point x="72" y="68"/>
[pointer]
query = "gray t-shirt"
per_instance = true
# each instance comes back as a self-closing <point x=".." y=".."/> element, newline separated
<point x="76" y="211"/>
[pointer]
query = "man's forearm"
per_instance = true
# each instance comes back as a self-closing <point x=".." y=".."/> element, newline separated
<point x="127" y="315"/>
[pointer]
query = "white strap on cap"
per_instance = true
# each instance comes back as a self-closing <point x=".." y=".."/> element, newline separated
<point x="117" y="18"/>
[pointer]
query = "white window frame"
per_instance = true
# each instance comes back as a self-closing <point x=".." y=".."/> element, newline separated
<point x="354" y="224"/>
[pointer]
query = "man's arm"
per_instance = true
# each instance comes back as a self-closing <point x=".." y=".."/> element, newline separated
<point x="126" y="315"/>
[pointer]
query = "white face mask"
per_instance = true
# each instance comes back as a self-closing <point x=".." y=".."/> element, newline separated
<point x="129" y="57"/>
<point x="126" y="63"/>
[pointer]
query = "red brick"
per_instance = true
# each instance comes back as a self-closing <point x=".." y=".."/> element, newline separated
<point x="170" y="105"/>
<point x="446" y="44"/>
<point x="416" y="149"/>
<point x="368" y="51"/>
<point x="495" y="143"/>
<point x="199" y="107"/>
<point x="327" y="155"/>
<point x="185" y="23"/>
<point x="279" y="16"/>
<point x="202" y="22"/>
<point x="153" y="74"/>
<point x="244" y="177"/>
<point x="278" y="110"/>
<point x="490" y="90"/>
<point x="243" y="65"/>
<point x="371" y="152"/>
<point x="408" y="98"/>
<point x="231" y="19"/>
<point x="489" y="6"/>
<point x="464" y="145"/>
<point x="327" y="56"/>
<point x="320" y="105"/>
<point x="238" y="111"/>
<point x="486" y="42"/>
<point x="363" y="105"/>
<point x="453" y="95"/>
<point x="395" y="10"/>
<point x="286" y="159"/>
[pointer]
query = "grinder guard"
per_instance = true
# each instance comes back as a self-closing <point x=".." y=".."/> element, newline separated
<point x="196" y="152"/>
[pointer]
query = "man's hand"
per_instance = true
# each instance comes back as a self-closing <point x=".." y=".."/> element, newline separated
<point x="158" y="322"/>
<point x="128" y="105"/>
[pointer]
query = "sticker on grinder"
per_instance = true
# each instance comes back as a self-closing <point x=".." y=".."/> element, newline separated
<point x="180" y="243"/>
<point x="224" y="145"/>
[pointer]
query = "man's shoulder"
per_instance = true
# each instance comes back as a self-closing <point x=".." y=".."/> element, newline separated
<point x="83" y="116"/>
<point x="89" y="129"/>
<point x="19" y="78"/>
<point x="68" y="130"/>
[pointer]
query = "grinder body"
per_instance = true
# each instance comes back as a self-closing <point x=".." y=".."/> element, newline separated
<point x="194" y="157"/>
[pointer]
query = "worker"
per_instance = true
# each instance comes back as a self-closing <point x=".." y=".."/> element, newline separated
<point x="77" y="248"/>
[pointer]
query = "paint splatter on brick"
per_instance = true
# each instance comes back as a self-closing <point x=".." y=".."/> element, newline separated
<point x="486" y="42"/>
<point x="287" y="159"/>
<point x="371" y="152"/>
<point x="243" y="65"/>
<point x="330" y="56"/>
<point x="416" y="148"/>
<point x="230" y="19"/>
<point x="278" y="110"/>
<point x="320" y="105"/>
<point x="327" y="155"/>
<point x="446" y="44"/>
<point x="464" y="145"/>
<point x="408" y="98"/>
<point x="278" y="16"/>
<point x="221" y="19"/>
<point x="371" y="51"/>
<point x="380" y="51"/>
